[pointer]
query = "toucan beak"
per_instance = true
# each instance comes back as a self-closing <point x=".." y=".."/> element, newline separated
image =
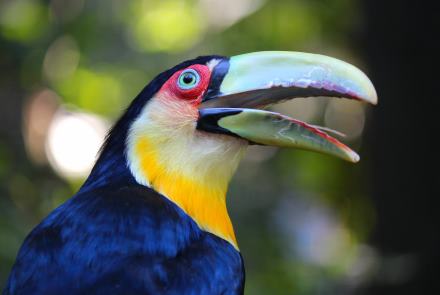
<point x="244" y="84"/>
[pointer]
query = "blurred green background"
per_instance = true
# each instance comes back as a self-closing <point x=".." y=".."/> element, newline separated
<point x="306" y="223"/>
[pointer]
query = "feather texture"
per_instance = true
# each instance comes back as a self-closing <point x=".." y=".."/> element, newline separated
<point x="124" y="240"/>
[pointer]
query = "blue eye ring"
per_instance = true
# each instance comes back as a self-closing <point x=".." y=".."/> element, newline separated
<point x="188" y="79"/>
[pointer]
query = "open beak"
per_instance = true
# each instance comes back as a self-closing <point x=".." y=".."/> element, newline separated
<point x="244" y="84"/>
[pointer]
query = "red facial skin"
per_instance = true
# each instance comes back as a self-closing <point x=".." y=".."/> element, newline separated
<point x="193" y="95"/>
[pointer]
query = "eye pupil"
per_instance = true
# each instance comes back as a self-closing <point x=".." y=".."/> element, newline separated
<point x="188" y="78"/>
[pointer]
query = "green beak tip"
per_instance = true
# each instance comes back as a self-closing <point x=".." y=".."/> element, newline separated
<point x="273" y="129"/>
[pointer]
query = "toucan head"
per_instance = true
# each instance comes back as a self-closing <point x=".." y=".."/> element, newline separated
<point x="190" y="126"/>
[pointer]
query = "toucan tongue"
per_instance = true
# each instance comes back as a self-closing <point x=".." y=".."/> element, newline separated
<point x="274" y="129"/>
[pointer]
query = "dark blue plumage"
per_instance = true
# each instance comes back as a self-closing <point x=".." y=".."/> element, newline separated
<point x="124" y="240"/>
<point x="118" y="237"/>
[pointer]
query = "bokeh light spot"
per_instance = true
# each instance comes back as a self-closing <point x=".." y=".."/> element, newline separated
<point x="73" y="142"/>
<point x="61" y="59"/>
<point x="316" y="234"/>
<point x="165" y="26"/>
<point x="96" y="91"/>
<point x="231" y="11"/>
<point x="37" y="116"/>
<point x="23" y="20"/>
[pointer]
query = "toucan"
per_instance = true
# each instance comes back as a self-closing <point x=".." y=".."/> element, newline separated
<point x="151" y="218"/>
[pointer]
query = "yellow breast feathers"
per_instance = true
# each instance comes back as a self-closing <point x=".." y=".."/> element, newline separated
<point x="168" y="154"/>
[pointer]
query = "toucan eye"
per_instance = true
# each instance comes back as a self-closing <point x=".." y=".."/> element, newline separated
<point x="188" y="79"/>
